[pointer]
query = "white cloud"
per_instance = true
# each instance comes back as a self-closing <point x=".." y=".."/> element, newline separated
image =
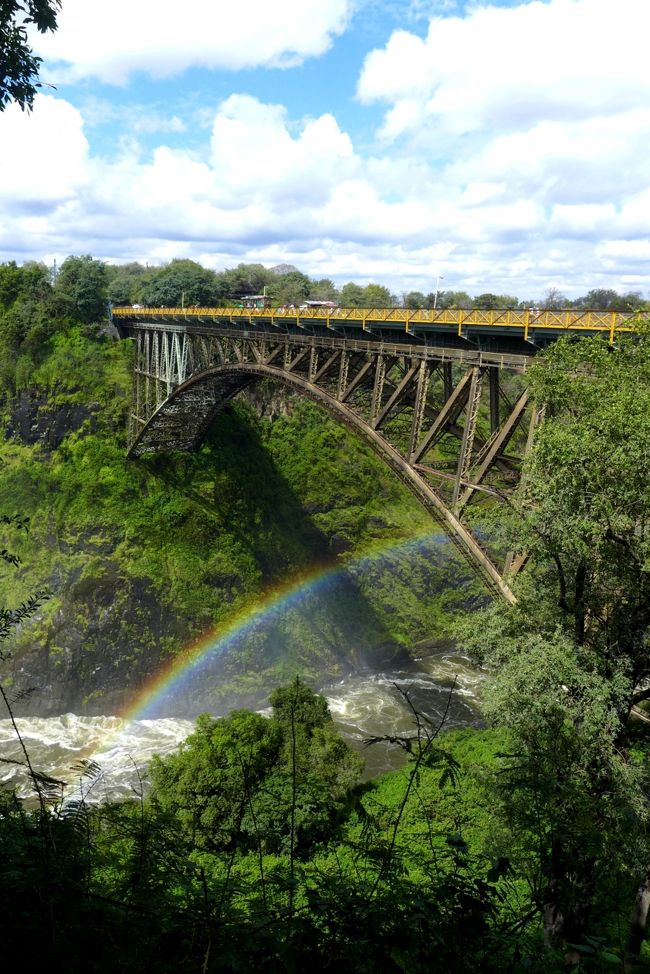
<point x="501" y="67"/>
<point x="253" y="152"/>
<point x="163" y="38"/>
<point x="271" y="189"/>
<point x="585" y="161"/>
<point x="44" y="155"/>
<point x="615" y="249"/>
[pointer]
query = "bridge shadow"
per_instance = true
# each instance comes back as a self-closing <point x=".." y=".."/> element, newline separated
<point x="323" y="627"/>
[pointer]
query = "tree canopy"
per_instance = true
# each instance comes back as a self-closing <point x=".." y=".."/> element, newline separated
<point x="245" y="779"/>
<point x="19" y="66"/>
<point x="82" y="281"/>
<point x="572" y="659"/>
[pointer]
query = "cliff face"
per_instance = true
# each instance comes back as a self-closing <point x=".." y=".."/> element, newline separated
<point x="34" y="420"/>
<point x="144" y="557"/>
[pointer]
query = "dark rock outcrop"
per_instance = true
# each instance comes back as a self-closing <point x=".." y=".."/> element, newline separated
<point x="34" y="418"/>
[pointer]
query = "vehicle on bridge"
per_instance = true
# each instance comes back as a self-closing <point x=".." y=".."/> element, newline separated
<point x="259" y="301"/>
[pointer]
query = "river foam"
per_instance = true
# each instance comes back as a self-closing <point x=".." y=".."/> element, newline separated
<point x="443" y="686"/>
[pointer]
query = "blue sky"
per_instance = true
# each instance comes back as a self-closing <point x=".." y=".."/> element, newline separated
<point x="500" y="145"/>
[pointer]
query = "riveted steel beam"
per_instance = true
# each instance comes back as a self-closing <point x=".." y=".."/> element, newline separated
<point x="358" y="380"/>
<point x="397" y="395"/>
<point x="419" y="406"/>
<point x="465" y="458"/>
<point x="328" y="365"/>
<point x="494" y="399"/>
<point x="449" y="413"/>
<point x="499" y="443"/>
<point x="447" y="380"/>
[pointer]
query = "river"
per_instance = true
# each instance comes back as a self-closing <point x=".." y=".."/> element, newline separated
<point x="364" y="705"/>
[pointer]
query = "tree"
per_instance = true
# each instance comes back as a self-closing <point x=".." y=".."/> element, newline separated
<point x="245" y="781"/>
<point x="449" y="299"/>
<point x="11" y="280"/>
<point x="495" y="302"/>
<point x="606" y="299"/>
<point x="633" y="301"/>
<point x="181" y="283"/>
<point x="554" y="300"/>
<point x="82" y="284"/>
<point x="297" y="703"/>
<point x="573" y="656"/>
<point x="128" y="283"/>
<point x="415" y="300"/>
<point x="351" y="295"/>
<point x="32" y="281"/>
<point x="323" y="290"/>
<point x="585" y="501"/>
<point x="19" y="67"/>
<point x="567" y="782"/>
<point x="290" y="288"/>
<point x="244" y="279"/>
<point x="376" y="296"/>
<point x="27" y="317"/>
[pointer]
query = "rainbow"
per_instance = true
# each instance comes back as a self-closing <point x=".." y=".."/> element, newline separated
<point x="168" y="681"/>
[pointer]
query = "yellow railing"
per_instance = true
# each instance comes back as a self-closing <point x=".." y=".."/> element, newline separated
<point x="573" y="320"/>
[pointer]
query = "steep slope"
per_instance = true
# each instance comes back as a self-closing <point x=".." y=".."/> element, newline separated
<point x="144" y="557"/>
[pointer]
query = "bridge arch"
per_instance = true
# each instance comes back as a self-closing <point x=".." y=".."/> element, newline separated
<point x="189" y="409"/>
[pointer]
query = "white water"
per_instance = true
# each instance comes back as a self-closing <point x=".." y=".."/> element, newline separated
<point x="363" y="706"/>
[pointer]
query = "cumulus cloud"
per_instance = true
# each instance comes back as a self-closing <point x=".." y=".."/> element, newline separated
<point x="269" y="188"/>
<point x="501" y="67"/>
<point x="254" y="153"/>
<point x="163" y="38"/>
<point x="44" y="156"/>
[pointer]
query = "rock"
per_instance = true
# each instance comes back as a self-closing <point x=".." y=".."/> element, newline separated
<point x="34" y="419"/>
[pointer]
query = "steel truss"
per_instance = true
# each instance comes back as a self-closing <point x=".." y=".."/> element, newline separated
<point x="439" y="417"/>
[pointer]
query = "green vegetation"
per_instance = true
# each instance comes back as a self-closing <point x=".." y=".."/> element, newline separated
<point x="257" y="849"/>
<point x="572" y="659"/>
<point x="523" y="847"/>
<point x="277" y="785"/>
<point x="184" y="283"/>
<point x="143" y="557"/>
<point x="19" y="65"/>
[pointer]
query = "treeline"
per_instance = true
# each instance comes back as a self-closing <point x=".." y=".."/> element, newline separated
<point x="35" y="306"/>
<point x="83" y="288"/>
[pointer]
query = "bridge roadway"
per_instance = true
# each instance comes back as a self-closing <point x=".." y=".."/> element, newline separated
<point x="524" y="331"/>
<point x="438" y="395"/>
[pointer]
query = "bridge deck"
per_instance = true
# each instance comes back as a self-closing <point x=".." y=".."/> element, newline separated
<point x="524" y="328"/>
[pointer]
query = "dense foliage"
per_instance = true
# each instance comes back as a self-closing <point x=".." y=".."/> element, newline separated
<point x="253" y="868"/>
<point x="524" y="847"/>
<point x="19" y="66"/>
<point x="275" y="784"/>
<point x="143" y="557"/>
<point x="572" y="658"/>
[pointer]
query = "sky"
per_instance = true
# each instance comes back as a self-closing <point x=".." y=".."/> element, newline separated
<point x="497" y="146"/>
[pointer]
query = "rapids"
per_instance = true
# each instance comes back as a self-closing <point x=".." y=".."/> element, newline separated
<point x="363" y="705"/>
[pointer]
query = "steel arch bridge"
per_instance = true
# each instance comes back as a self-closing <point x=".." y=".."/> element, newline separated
<point x="441" y="401"/>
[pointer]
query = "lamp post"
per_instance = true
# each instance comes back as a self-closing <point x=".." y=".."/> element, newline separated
<point x="439" y="278"/>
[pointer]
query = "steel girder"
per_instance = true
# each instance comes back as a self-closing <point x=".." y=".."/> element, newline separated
<point x="422" y="409"/>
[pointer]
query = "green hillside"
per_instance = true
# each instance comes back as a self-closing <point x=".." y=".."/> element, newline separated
<point x="143" y="556"/>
